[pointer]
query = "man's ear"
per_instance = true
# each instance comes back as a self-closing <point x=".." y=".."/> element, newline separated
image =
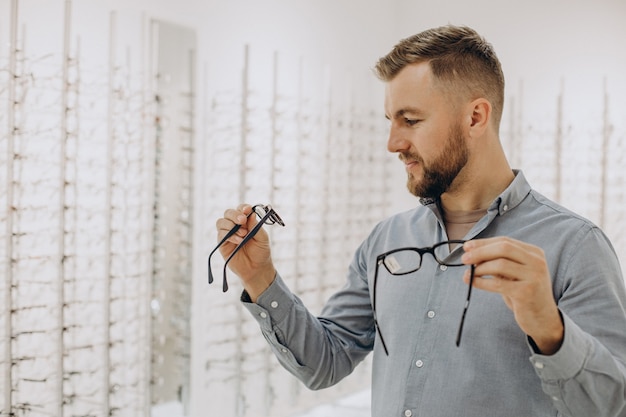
<point x="479" y="112"/>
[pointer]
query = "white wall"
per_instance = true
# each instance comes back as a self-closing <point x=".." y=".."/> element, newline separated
<point x="348" y="34"/>
<point x="538" y="41"/>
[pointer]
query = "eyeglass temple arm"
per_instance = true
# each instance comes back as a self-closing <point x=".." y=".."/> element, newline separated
<point x="467" y="301"/>
<point x="379" y="260"/>
<point x="382" y="340"/>
<point x="224" y="239"/>
<point x="245" y="240"/>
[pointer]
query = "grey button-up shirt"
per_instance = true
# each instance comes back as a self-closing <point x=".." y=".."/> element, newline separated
<point x="494" y="372"/>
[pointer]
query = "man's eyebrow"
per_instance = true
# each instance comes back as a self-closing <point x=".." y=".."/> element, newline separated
<point x="400" y="113"/>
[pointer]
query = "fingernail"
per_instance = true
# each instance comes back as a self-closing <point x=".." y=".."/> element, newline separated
<point x="241" y="218"/>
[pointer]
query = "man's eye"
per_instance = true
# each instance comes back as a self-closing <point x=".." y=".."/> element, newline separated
<point x="411" y="122"/>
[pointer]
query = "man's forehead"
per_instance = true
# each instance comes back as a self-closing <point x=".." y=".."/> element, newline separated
<point x="418" y="73"/>
<point x="408" y="91"/>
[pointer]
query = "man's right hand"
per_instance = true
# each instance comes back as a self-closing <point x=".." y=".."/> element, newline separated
<point x="253" y="262"/>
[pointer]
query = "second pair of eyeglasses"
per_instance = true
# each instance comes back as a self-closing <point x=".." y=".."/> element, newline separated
<point x="404" y="261"/>
<point x="266" y="215"/>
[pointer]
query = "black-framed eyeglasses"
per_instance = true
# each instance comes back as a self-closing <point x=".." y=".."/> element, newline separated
<point x="267" y="215"/>
<point x="403" y="261"/>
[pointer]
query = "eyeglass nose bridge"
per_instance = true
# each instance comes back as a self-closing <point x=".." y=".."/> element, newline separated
<point x="445" y="260"/>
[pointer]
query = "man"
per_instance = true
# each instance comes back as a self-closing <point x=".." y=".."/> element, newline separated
<point x="546" y="331"/>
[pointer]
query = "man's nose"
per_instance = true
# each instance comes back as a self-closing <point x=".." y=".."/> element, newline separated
<point x="396" y="141"/>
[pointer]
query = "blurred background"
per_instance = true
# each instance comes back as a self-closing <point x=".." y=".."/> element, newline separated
<point x="129" y="126"/>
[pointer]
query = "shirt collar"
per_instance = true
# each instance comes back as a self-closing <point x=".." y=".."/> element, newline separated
<point x="513" y="195"/>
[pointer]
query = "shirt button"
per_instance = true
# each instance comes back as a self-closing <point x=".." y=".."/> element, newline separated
<point x="431" y="314"/>
<point x="274" y="304"/>
<point x="283" y="350"/>
<point x="539" y="365"/>
<point x="408" y="413"/>
<point x="505" y="208"/>
<point x="443" y="267"/>
<point x="419" y="363"/>
<point x="263" y="314"/>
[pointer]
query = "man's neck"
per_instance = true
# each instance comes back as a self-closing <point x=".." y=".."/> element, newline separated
<point x="478" y="191"/>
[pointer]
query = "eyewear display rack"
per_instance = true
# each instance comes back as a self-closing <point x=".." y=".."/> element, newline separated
<point x="84" y="289"/>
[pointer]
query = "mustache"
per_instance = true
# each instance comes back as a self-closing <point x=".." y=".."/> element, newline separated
<point x="410" y="156"/>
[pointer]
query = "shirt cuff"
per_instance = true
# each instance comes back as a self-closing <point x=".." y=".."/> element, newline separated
<point x="568" y="361"/>
<point x="273" y="305"/>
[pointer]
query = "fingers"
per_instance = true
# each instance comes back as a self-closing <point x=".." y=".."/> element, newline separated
<point x="489" y="282"/>
<point x="506" y="251"/>
<point x="502" y="263"/>
<point x="237" y="222"/>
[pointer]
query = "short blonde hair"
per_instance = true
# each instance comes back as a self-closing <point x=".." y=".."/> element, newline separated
<point x="458" y="56"/>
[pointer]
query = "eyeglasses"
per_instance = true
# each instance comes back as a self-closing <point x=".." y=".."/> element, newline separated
<point x="404" y="261"/>
<point x="266" y="214"/>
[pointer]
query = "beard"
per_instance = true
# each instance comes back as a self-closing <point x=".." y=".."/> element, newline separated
<point x="443" y="170"/>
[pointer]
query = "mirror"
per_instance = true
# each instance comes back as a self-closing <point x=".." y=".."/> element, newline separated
<point x="173" y="72"/>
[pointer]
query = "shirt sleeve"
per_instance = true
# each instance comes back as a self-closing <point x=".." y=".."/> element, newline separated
<point x="587" y="376"/>
<point x="320" y="351"/>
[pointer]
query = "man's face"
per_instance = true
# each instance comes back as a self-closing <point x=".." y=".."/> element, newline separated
<point x="425" y="131"/>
